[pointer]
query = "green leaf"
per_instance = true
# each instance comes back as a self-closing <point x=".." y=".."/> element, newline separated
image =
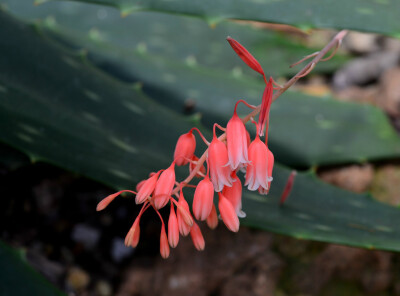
<point x="95" y="125"/>
<point x="317" y="211"/>
<point x="304" y="130"/>
<point x="18" y="278"/>
<point x="380" y="16"/>
<point x="155" y="33"/>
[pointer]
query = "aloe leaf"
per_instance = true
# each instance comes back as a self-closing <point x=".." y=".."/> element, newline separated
<point x="304" y="130"/>
<point x="18" y="278"/>
<point x="363" y="15"/>
<point x="317" y="211"/>
<point x="156" y="33"/>
<point x="87" y="122"/>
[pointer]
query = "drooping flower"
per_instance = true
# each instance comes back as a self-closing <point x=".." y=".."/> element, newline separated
<point x="147" y="188"/>
<point x="212" y="219"/>
<point x="236" y="140"/>
<point x="266" y="102"/>
<point x="288" y="187"/>
<point x="271" y="161"/>
<point x="183" y="216"/>
<point x="203" y="198"/>
<point x="132" y="238"/>
<point x="257" y="169"/>
<point x="220" y="173"/>
<point x="245" y="55"/>
<point x="197" y="237"/>
<point x="173" y="229"/>
<point x="228" y="213"/>
<point x="234" y="195"/>
<point x="192" y="166"/>
<point x="164" y="186"/>
<point x="164" y="246"/>
<point x="184" y="149"/>
<point x="107" y="200"/>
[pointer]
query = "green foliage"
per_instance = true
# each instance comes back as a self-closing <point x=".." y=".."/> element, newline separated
<point x="74" y="116"/>
<point x="305" y="131"/>
<point x="156" y="34"/>
<point x="17" y="278"/>
<point x="380" y="16"/>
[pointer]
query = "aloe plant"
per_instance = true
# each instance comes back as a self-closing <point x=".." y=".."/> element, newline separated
<point x="372" y="16"/>
<point x="111" y="132"/>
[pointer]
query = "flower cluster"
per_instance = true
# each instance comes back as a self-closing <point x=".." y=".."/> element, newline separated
<point x="226" y="156"/>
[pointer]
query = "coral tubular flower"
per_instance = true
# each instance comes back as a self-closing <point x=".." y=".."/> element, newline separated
<point x="183" y="212"/>
<point x="197" y="237"/>
<point x="288" y="187"/>
<point x="212" y="219"/>
<point x="192" y="166"/>
<point x="257" y="170"/>
<point x="266" y="102"/>
<point x="164" y="186"/>
<point x="245" y="55"/>
<point x="203" y="199"/>
<point x="164" y="246"/>
<point x="107" y="200"/>
<point x="173" y="229"/>
<point x="184" y="149"/>
<point x="147" y="188"/>
<point x="228" y="213"/>
<point x="132" y="238"/>
<point x="234" y="195"/>
<point x="218" y="158"/>
<point x="271" y="161"/>
<point x="236" y="140"/>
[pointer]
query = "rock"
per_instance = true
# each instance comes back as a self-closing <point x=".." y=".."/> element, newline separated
<point x="103" y="288"/>
<point x="365" y="69"/>
<point x="389" y="95"/>
<point x="77" y="279"/>
<point x="361" y="43"/>
<point x="385" y="186"/>
<point x="372" y="269"/>
<point x="232" y="263"/>
<point x="356" y="178"/>
<point x="119" y="251"/>
<point x="365" y="95"/>
<point x="86" y="235"/>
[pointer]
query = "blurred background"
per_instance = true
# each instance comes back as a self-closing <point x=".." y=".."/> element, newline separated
<point x="94" y="96"/>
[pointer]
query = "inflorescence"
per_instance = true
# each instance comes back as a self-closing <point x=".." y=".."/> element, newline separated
<point x="226" y="156"/>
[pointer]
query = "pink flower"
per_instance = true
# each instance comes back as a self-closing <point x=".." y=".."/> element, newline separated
<point x="164" y="246"/>
<point x="183" y="216"/>
<point x="173" y="229"/>
<point x="107" y="200"/>
<point x="212" y="219"/>
<point x="228" y="213"/>
<point x="146" y="188"/>
<point x="164" y="186"/>
<point x="245" y="55"/>
<point x="184" y="149"/>
<point x="132" y="238"/>
<point x="192" y="166"/>
<point x="270" y="167"/>
<point x="203" y="199"/>
<point x="217" y="159"/>
<point x="236" y="139"/>
<point x="266" y="102"/>
<point x="197" y="237"/>
<point x="234" y="195"/>
<point x="257" y="170"/>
